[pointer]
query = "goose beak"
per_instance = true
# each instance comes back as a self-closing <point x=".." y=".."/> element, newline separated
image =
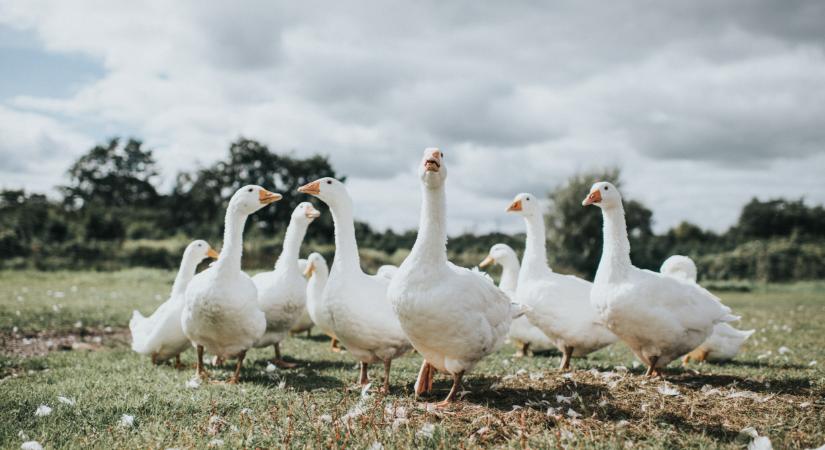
<point x="487" y="261"/>
<point x="515" y="206"/>
<point x="433" y="162"/>
<point x="267" y="197"/>
<point x="312" y="213"/>
<point x="211" y="253"/>
<point x="594" y="197"/>
<point x="309" y="270"/>
<point x="313" y="188"/>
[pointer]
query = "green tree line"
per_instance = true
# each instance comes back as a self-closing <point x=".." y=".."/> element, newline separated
<point x="111" y="214"/>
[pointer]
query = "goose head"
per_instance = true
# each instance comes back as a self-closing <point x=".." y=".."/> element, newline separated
<point x="199" y="250"/>
<point x="525" y="205"/>
<point x="498" y="253"/>
<point x="328" y="189"/>
<point x="305" y="213"/>
<point x="314" y="262"/>
<point x="251" y="198"/>
<point x="432" y="169"/>
<point x="604" y="195"/>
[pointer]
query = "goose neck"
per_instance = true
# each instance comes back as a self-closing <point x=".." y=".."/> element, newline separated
<point x="295" y="232"/>
<point x="431" y="244"/>
<point x="615" y="260"/>
<point x="535" y="249"/>
<point x="509" y="274"/>
<point x="346" y="247"/>
<point x="229" y="260"/>
<point x="186" y="272"/>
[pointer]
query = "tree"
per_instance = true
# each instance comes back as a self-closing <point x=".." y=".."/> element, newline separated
<point x="199" y="199"/>
<point x="780" y="218"/>
<point x="575" y="232"/>
<point x="113" y="175"/>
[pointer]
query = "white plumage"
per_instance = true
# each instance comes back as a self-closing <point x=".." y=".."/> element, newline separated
<point x="453" y="316"/>
<point x="282" y="292"/>
<point x="659" y="317"/>
<point x="362" y="318"/>
<point x="161" y="335"/>
<point x="221" y="314"/>
<point x="725" y="341"/>
<point x="560" y="303"/>
<point x="522" y="333"/>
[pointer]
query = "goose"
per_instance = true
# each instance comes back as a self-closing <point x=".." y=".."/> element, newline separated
<point x="524" y="334"/>
<point x="160" y="335"/>
<point x="318" y="273"/>
<point x="453" y="316"/>
<point x="659" y="317"/>
<point x="304" y="322"/>
<point x="221" y="314"/>
<point x="282" y="292"/>
<point x="387" y="271"/>
<point x="362" y="318"/>
<point x="560" y="303"/>
<point x="725" y="341"/>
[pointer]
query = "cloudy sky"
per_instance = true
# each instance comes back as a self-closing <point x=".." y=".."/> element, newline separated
<point x="703" y="104"/>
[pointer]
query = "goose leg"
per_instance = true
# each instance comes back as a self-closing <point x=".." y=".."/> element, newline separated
<point x="364" y="378"/>
<point x="333" y="345"/>
<point x="278" y="361"/>
<point x="199" y="370"/>
<point x="154" y="359"/>
<point x="386" y="388"/>
<point x="651" y="369"/>
<point x="178" y="364"/>
<point x="565" y="359"/>
<point x="424" y="382"/>
<point x="453" y="391"/>
<point x="237" y="375"/>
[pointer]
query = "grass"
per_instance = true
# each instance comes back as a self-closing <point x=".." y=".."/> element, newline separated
<point x="511" y="403"/>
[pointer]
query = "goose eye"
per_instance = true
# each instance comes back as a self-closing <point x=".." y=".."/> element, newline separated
<point x="606" y="188"/>
<point x="329" y="181"/>
<point x="442" y="154"/>
<point x="250" y="189"/>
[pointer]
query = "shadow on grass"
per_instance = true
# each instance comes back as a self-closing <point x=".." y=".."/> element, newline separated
<point x="795" y="386"/>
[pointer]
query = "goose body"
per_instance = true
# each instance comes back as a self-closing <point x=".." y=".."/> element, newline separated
<point x="659" y="317"/>
<point x="524" y="335"/>
<point x="282" y="292"/>
<point x="725" y="341"/>
<point x="161" y="334"/>
<point x="362" y="318"/>
<point x="453" y="316"/>
<point x="318" y="273"/>
<point x="387" y="271"/>
<point x="560" y="304"/>
<point x="304" y="322"/>
<point x="221" y="314"/>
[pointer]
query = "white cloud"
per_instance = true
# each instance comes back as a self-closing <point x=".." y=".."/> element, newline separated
<point x="703" y="105"/>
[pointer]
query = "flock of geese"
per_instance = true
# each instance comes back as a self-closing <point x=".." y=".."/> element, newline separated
<point x="451" y="315"/>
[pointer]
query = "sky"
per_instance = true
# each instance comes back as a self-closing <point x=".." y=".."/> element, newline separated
<point x="702" y="104"/>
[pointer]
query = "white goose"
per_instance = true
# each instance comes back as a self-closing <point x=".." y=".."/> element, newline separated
<point x="221" y="313"/>
<point x="304" y="322"/>
<point x="453" y="316"/>
<point x="560" y="303"/>
<point x="362" y="318"/>
<point x="282" y="292"/>
<point x="523" y="334"/>
<point x="725" y="341"/>
<point x="160" y="335"/>
<point x="387" y="271"/>
<point x="318" y="273"/>
<point x="659" y="317"/>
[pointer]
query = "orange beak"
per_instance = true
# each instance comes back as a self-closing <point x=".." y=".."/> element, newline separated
<point x="211" y="253"/>
<point x="594" y="197"/>
<point x="487" y="261"/>
<point x="433" y="162"/>
<point x="515" y="206"/>
<point x="267" y="197"/>
<point x="309" y="270"/>
<point x="313" y="188"/>
<point x="312" y="213"/>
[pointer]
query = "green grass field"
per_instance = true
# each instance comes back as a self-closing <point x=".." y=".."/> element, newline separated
<point x="63" y="334"/>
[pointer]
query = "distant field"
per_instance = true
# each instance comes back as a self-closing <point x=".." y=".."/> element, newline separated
<point x="62" y="334"/>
